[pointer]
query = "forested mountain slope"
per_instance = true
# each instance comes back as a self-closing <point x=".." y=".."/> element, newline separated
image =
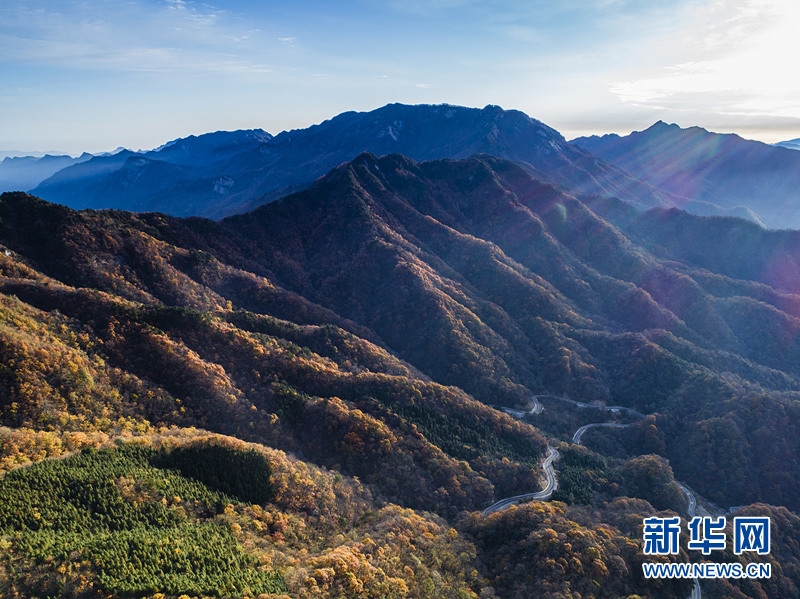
<point x="481" y="277"/>
<point x="166" y="507"/>
<point x="367" y="323"/>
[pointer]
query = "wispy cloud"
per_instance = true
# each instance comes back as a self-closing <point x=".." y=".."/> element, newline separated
<point x="138" y="35"/>
<point x="425" y="7"/>
<point x="590" y="62"/>
<point x="203" y="15"/>
<point x="732" y="58"/>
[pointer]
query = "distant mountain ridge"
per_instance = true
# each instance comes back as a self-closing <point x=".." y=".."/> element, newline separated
<point x="247" y="169"/>
<point x="171" y="178"/>
<point x="710" y="171"/>
<point x="792" y="144"/>
<point x="197" y="150"/>
<point x="22" y="173"/>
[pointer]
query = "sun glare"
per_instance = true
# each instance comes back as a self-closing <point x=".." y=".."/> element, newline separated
<point x="735" y="59"/>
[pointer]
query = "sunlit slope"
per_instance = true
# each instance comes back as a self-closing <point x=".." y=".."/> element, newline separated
<point x="80" y="359"/>
<point x="472" y="273"/>
<point x="712" y="172"/>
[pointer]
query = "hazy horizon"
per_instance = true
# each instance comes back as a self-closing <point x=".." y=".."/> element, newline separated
<point x="92" y="76"/>
<point x="12" y="153"/>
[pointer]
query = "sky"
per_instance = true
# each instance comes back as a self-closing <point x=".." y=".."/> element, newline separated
<point x="94" y="75"/>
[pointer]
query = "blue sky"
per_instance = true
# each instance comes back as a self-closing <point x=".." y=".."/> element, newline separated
<point x="97" y="74"/>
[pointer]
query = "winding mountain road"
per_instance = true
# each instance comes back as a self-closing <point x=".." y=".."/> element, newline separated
<point x="552" y="452"/>
<point x="581" y="404"/>
<point x="692" y="510"/>
<point x="552" y="485"/>
<point x="576" y="438"/>
<point x="552" y="455"/>
<point x="536" y="409"/>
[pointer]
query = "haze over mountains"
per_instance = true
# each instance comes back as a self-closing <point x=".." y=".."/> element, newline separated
<point x="219" y="174"/>
<point x="20" y="173"/>
<point x="367" y="323"/>
<point x="224" y="173"/>
<point x="744" y="178"/>
<point x="176" y="178"/>
<point x="792" y="144"/>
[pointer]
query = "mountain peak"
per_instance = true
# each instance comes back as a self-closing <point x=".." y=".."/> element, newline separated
<point x="662" y="126"/>
<point x="713" y="173"/>
<point x="260" y="168"/>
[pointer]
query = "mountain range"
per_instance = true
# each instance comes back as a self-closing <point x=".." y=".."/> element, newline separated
<point x="365" y="323"/>
<point x="480" y="276"/>
<point x="224" y="173"/>
<point x="371" y="324"/>
<point x="26" y="172"/>
<point x="220" y="174"/>
<point x="713" y="173"/>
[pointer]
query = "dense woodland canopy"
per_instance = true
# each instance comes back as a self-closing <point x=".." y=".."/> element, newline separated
<point x="366" y="327"/>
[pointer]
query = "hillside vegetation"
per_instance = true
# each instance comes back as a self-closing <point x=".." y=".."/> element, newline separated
<point x="366" y="326"/>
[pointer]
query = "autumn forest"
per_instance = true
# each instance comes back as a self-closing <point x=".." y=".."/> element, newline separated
<point x="307" y="400"/>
